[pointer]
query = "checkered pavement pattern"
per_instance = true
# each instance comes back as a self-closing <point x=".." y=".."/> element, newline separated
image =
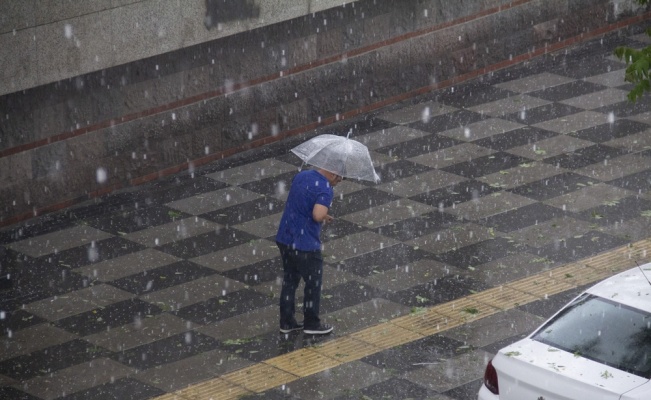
<point x="149" y="290"/>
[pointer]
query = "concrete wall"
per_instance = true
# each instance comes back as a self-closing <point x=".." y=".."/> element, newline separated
<point x="44" y="41"/>
<point x="90" y="133"/>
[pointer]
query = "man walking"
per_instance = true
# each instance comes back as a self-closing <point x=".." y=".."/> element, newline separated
<point x="298" y="238"/>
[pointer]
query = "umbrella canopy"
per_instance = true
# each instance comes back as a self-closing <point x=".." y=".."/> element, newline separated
<point x="338" y="154"/>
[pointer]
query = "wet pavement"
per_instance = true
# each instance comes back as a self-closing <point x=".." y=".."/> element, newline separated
<point x="172" y="287"/>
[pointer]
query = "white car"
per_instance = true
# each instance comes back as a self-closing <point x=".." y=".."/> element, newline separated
<point x="597" y="347"/>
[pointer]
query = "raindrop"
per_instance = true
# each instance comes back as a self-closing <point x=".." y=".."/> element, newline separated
<point x="425" y="117"/>
<point x="281" y="189"/>
<point x="93" y="253"/>
<point x="101" y="175"/>
<point x="611" y="117"/>
<point x="67" y="31"/>
<point x="3" y="315"/>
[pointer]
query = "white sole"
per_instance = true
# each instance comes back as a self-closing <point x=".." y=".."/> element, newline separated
<point x="310" y="332"/>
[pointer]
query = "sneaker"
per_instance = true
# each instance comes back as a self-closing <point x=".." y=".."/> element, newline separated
<point x="296" y="327"/>
<point x="320" y="330"/>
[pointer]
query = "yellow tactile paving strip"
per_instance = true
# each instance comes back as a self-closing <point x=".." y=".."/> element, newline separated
<point x="421" y="323"/>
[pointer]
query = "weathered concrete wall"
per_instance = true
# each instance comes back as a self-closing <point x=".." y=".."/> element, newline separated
<point x="44" y="41"/>
<point x="69" y="140"/>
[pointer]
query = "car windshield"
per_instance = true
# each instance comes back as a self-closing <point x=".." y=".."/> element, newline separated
<point x="603" y="331"/>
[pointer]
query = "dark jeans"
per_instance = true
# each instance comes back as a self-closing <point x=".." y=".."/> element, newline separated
<point x="296" y="265"/>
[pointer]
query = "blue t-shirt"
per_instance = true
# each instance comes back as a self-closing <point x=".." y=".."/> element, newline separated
<point x="297" y="227"/>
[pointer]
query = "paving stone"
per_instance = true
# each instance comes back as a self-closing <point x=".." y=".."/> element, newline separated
<point x="555" y="146"/>
<point x="351" y="319"/>
<point x="452" y="372"/>
<point x="76" y="302"/>
<point x="245" y="325"/>
<point x="521" y="175"/>
<point x="420" y="183"/>
<point x="162" y="277"/>
<point x="240" y="255"/>
<point x="555" y="229"/>
<point x="496" y="327"/>
<point x="129" y="264"/>
<point x="263" y="227"/>
<point x="610" y="131"/>
<point x="509" y="105"/>
<point x="588" y="197"/>
<point x="341" y="380"/>
<point x="554" y="186"/>
<point x="164" y="351"/>
<point x="409" y="275"/>
<point x="191" y="370"/>
<point x="252" y="172"/>
<point x="33" y="338"/>
<point x="534" y="82"/>
<point x="173" y="231"/>
<point x="482" y="129"/>
<point x="421" y="225"/>
<point x="107" y="317"/>
<point x="77" y="378"/>
<point x="487" y="206"/>
<point x="139" y="332"/>
<point x="57" y="241"/>
<point x="120" y="388"/>
<point x="536" y="115"/>
<point x="388" y="213"/>
<point x="453" y="238"/>
<point x="221" y="307"/>
<point x="598" y="99"/>
<point x="451" y="156"/>
<point x="577" y="122"/>
<point x="412" y="356"/>
<point x="387" y="137"/>
<point x="193" y="292"/>
<point x="585" y="156"/>
<point x="453" y="120"/>
<point x="567" y="90"/>
<point x="207" y="202"/>
<point x="353" y="245"/>
<point x="205" y="243"/>
<point x="423" y="145"/>
<point x="124" y="222"/>
<point x="50" y="359"/>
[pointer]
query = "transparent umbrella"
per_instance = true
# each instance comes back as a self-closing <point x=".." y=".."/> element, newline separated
<point x="340" y="155"/>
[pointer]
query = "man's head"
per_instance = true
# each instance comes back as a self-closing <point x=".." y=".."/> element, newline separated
<point x="332" y="178"/>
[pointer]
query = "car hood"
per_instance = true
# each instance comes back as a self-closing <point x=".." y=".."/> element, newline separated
<point x="530" y="370"/>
